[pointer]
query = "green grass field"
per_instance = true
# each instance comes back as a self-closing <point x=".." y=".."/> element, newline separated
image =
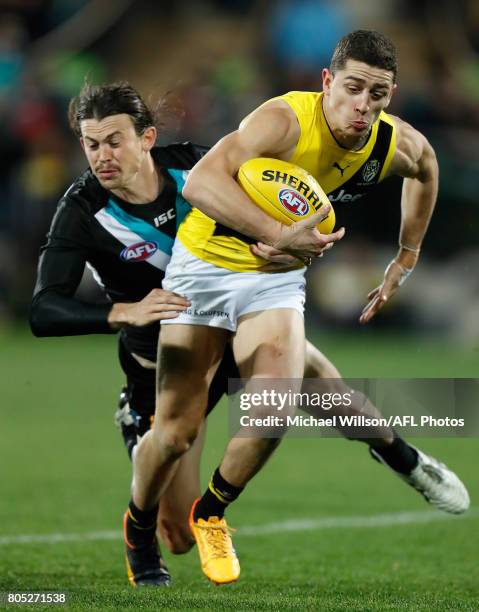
<point x="64" y="471"/>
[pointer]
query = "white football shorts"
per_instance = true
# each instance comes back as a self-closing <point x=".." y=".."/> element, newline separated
<point x="219" y="297"/>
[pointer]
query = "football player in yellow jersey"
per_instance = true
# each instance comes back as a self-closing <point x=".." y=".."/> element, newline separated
<point x="344" y="138"/>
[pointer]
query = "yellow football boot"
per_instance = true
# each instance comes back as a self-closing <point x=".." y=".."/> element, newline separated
<point x="217" y="555"/>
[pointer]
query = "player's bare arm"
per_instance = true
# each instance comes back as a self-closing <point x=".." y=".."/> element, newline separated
<point x="270" y="131"/>
<point x="415" y="160"/>
<point x="156" y="306"/>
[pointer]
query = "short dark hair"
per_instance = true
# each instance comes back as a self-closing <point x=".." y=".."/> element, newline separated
<point x="366" y="46"/>
<point x="100" y="101"/>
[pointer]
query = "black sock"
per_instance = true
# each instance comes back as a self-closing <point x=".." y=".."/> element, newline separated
<point x="216" y="498"/>
<point x="141" y="524"/>
<point x="399" y="455"/>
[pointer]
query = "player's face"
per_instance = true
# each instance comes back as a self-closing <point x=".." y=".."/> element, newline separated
<point x="355" y="96"/>
<point x="114" y="150"/>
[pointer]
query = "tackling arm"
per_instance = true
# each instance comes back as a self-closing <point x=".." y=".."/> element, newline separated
<point x="56" y="311"/>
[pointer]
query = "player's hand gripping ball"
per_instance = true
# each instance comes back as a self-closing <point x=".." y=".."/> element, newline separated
<point x="284" y="191"/>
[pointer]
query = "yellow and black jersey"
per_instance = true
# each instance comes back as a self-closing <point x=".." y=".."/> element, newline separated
<point x="346" y="176"/>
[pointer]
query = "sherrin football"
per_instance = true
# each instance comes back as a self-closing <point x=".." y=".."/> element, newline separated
<point x="284" y="191"/>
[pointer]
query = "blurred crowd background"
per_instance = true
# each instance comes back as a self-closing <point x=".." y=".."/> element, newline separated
<point x="206" y="64"/>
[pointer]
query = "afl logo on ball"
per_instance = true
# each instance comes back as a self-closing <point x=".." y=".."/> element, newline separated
<point x="294" y="202"/>
<point x="139" y="251"/>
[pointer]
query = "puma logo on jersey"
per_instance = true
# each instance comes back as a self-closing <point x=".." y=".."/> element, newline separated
<point x="338" y="167"/>
<point x="164" y="217"/>
<point x="342" y="196"/>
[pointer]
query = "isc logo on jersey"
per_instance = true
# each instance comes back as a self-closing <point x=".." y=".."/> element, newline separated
<point x="294" y="202"/>
<point x="139" y="251"/>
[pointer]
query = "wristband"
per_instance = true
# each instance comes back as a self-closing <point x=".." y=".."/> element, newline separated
<point x="406" y="247"/>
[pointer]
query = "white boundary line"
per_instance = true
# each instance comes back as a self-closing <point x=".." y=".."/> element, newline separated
<point x="338" y="522"/>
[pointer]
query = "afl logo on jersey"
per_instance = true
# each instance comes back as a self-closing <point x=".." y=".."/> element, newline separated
<point x="370" y="170"/>
<point x="294" y="202"/>
<point x="139" y="251"/>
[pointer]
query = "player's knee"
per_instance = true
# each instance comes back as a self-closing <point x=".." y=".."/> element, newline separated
<point x="176" y="437"/>
<point x="175" y="445"/>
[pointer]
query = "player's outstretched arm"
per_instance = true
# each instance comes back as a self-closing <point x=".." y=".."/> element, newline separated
<point x="415" y="160"/>
<point x="270" y="131"/>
